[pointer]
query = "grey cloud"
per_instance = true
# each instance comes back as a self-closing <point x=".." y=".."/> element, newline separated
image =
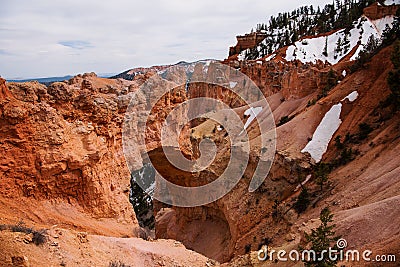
<point x="4" y="52"/>
<point x="76" y="44"/>
<point x="123" y="34"/>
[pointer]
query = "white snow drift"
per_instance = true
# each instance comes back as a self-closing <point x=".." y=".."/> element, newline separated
<point x="314" y="48"/>
<point x="324" y="132"/>
<point x="253" y="113"/>
<point x="325" y="48"/>
<point x="351" y="97"/>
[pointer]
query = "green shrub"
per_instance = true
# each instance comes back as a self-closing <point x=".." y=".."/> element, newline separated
<point x="311" y="102"/>
<point x="302" y="201"/>
<point x="394" y="77"/>
<point x="264" y="242"/>
<point x="321" y="240"/>
<point x="346" y="156"/>
<point x="365" y="130"/>
<point x="21" y="228"/>
<point x="39" y="237"/>
<point x="284" y="120"/>
<point x="321" y="172"/>
<point x="247" y="248"/>
<point x="117" y="264"/>
<point x="338" y="144"/>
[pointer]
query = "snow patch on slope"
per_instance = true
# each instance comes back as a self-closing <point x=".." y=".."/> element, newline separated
<point x="351" y="97"/>
<point x="270" y="57"/>
<point x="325" y="48"/>
<point x="242" y="55"/>
<point x="324" y="133"/>
<point x="391" y="2"/>
<point x="253" y="113"/>
<point x="232" y="84"/>
<point x="303" y="183"/>
<point x="326" y="129"/>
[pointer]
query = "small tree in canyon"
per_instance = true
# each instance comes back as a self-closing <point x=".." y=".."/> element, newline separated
<point x="321" y="240"/>
<point x="321" y="173"/>
<point x="394" y="76"/>
<point x="302" y="201"/>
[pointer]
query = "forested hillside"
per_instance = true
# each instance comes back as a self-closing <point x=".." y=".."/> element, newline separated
<point x="289" y="27"/>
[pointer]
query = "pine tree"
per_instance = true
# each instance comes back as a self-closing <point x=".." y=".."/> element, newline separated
<point x="371" y="45"/>
<point x="321" y="240"/>
<point x="338" y="49"/>
<point x="394" y="76"/>
<point x="325" y="52"/>
<point x="300" y="23"/>
<point x="321" y="173"/>
<point x="302" y="201"/>
<point x="338" y="4"/>
<point x="346" y="43"/>
<point x="396" y="55"/>
<point x="142" y="204"/>
<point x="294" y="36"/>
<point x="287" y="38"/>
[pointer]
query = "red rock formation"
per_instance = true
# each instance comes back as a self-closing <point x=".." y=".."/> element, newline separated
<point x="86" y="85"/>
<point x="303" y="81"/>
<point x="52" y="149"/>
<point x="247" y="41"/>
<point x="64" y="143"/>
<point x="61" y="161"/>
<point x="246" y="218"/>
<point x="377" y="11"/>
<point x="293" y="79"/>
<point x="4" y="92"/>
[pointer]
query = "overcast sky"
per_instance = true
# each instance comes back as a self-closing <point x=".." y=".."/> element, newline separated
<point x="56" y="38"/>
